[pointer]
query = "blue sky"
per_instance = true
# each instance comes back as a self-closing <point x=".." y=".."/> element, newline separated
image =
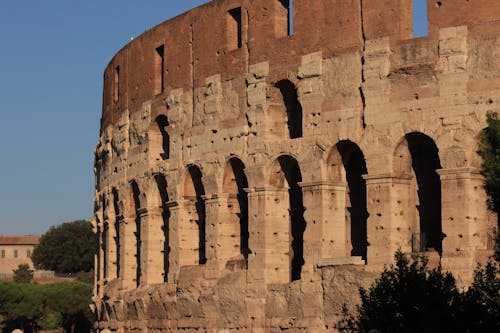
<point x="52" y="55"/>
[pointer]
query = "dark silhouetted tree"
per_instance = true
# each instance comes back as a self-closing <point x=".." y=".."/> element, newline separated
<point x="66" y="248"/>
<point x="23" y="274"/>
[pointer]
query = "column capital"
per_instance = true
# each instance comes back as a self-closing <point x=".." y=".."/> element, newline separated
<point x="462" y="173"/>
<point x="387" y="178"/>
<point x="215" y="197"/>
<point x="323" y="185"/>
<point x="173" y="204"/>
<point x="267" y="189"/>
<point x="142" y="212"/>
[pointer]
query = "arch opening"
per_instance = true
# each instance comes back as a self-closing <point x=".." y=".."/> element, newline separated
<point x="292" y="106"/>
<point x="193" y="193"/>
<point x="425" y="161"/>
<point x="289" y="171"/>
<point x="116" y="208"/>
<point x="162" y="122"/>
<point x="235" y="182"/>
<point x="354" y="165"/>
<point x="161" y="183"/>
<point x="137" y="233"/>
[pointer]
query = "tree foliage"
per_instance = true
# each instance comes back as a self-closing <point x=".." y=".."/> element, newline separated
<point x="66" y="248"/>
<point x="410" y="298"/>
<point x="23" y="274"/>
<point x="32" y="306"/>
<point x="490" y="152"/>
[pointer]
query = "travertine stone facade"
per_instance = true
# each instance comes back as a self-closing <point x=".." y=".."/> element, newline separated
<point x="251" y="178"/>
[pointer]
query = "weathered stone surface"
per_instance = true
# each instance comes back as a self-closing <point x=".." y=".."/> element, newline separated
<point x="256" y="181"/>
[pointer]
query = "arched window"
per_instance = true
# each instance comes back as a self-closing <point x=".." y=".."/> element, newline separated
<point x="195" y="206"/>
<point x="118" y="216"/>
<point x="162" y="122"/>
<point x="293" y="108"/>
<point x="348" y="155"/>
<point x="287" y="173"/>
<point x="137" y="205"/>
<point x="161" y="183"/>
<point x="235" y="181"/>
<point x="417" y="156"/>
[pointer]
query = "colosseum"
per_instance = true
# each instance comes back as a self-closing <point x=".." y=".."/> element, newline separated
<point x="259" y="161"/>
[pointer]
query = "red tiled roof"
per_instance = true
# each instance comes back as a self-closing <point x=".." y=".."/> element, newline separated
<point x="19" y="240"/>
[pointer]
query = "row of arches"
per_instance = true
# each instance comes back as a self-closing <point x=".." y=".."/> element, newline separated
<point x="417" y="158"/>
<point x="285" y="117"/>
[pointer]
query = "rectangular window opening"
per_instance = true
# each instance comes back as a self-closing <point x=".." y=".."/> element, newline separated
<point x="284" y="19"/>
<point x="420" y="21"/>
<point x="3" y="254"/>
<point x="234" y="29"/>
<point x="159" y="62"/>
<point x="15" y="253"/>
<point x="28" y="253"/>
<point x="116" y="84"/>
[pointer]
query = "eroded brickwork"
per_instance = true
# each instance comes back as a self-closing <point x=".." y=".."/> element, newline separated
<point x="252" y="179"/>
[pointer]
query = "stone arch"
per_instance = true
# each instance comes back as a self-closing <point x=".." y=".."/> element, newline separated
<point x="234" y="184"/>
<point x="194" y="202"/>
<point x="159" y="138"/>
<point x="135" y="205"/>
<point x="347" y="165"/>
<point x="118" y="216"/>
<point x="292" y="112"/>
<point x="162" y="200"/>
<point x="417" y="157"/>
<point x="285" y="173"/>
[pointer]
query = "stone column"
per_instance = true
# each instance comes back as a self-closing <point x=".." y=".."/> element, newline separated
<point x="222" y="234"/>
<point x="175" y="240"/>
<point x="110" y="251"/>
<point x="128" y="261"/>
<point x="99" y="265"/>
<point x="152" y="239"/>
<point x="464" y="220"/>
<point x="183" y="235"/>
<point x="326" y="235"/>
<point x="389" y="222"/>
<point x="269" y="241"/>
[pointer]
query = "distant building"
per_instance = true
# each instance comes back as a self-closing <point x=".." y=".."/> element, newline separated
<point x="17" y="250"/>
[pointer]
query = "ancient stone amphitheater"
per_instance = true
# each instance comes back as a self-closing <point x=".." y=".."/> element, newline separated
<point x="252" y="173"/>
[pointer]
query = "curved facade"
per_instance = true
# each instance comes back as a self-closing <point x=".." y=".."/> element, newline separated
<point x="257" y="164"/>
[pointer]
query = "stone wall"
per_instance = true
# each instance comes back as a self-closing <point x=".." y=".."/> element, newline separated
<point x="252" y="179"/>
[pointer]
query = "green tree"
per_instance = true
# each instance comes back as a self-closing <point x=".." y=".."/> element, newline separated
<point x="481" y="302"/>
<point x="21" y="305"/>
<point x="409" y="298"/>
<point x="23" y="274"/>
<point x="75" y="310"/>
<point x="66" y="248"/>
<point x="490" y="152"/>
<point x="32" y="306"/>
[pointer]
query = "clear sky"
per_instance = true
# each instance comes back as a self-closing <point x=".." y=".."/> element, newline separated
<point x="52" y="56"/>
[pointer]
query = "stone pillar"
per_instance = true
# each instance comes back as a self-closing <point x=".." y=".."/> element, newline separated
<point x="389" y="222"/>
<point x="175" y="246"/>
<point x="269" y="241"/>
<point x="325" y="234"/>
<point x="128" y="261"/>
<point x="152" y="239"/>
<point x="99" y="265"/>
<point x="110" y="251"/>
<point x="184" y="236"/>
<point x="464" y="220"/>
<point x="222" y="233"/>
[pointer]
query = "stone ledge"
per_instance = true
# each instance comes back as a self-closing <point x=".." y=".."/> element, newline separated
<point x="324" y="262"/>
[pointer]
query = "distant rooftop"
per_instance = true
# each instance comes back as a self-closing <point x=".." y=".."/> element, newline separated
<point x="19" y="240"/>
